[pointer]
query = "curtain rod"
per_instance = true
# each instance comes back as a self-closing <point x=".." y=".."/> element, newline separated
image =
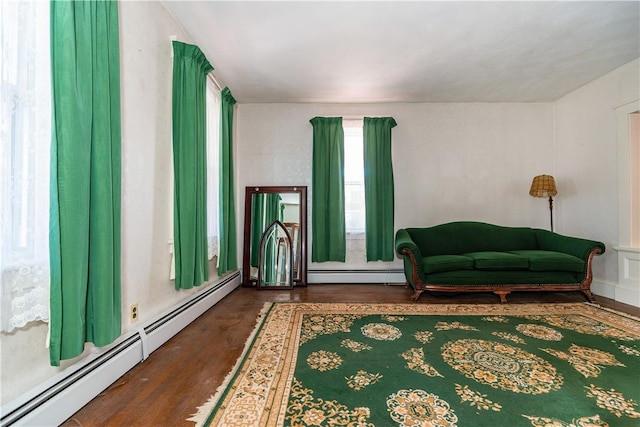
<point x="210" y="75"/>
<point x="215" y="81"/>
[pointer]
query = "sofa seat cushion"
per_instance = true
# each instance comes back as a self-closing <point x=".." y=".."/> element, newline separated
<point x="440" y="263"/>
<point x="491" y="260"/>
<point x="551" y="261"/>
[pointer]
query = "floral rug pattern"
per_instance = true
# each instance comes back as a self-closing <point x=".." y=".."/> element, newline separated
<point x="365" y="365"/>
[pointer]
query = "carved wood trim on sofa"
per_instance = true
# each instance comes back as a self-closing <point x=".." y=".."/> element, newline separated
<point x="502" y="290"/>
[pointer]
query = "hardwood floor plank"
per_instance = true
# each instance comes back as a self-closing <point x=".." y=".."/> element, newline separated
<point x="167" y="388"/>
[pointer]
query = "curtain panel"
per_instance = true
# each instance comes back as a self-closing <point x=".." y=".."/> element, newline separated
<point x="190" y="69"/>
<point x="378" y="188"/>
<point x="85" y="177"/>
<point x="328" y="241"/>
<point x="265" y="208"/>
<point x="257" y="227"/>
<point x="227" y="258"/>
<point x="272" y="214"/>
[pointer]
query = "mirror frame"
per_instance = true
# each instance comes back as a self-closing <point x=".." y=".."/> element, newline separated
<point x="247" y="281"/>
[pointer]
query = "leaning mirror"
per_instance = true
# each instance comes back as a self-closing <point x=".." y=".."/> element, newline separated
<point x="275" y="216"/>
<point x="275" y="266"/>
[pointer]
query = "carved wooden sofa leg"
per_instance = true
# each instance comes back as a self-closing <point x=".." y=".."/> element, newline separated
<point x="416" y="294"/>
<point x="502" y="295"/>
<point x="589" y="295"/>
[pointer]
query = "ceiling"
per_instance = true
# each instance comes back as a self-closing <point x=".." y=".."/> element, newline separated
<point x="419" y="51"/>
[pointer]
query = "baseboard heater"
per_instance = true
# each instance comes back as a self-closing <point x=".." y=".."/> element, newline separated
<point x="389" y="276"/>
<point x="58" y="398"/>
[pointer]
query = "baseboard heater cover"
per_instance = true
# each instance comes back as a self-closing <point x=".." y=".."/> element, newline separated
<point x="58" y="398"/>
<point x="395" y="276"/>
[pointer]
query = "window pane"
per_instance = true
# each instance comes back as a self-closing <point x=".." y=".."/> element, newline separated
<point x="213" y="166"/>
<point x="25" y="135"/>
<point x="354" y="178"/>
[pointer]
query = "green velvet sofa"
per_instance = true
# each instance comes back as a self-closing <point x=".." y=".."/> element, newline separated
<point x="480" y="257"/>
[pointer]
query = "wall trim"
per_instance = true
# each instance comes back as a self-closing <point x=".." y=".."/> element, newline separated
<point x="58" y="398"/>
<point x="390" y="276"/>
<point x="617" y="292"/>
<point x="624" y="171"/>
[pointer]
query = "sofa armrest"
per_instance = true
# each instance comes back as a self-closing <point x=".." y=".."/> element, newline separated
<point x="404" y="241"/>
<point x="581" y="248"/>
<point x="412" y="257"/>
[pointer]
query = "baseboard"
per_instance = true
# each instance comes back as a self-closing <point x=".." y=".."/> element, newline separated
<point x="57" y="399"/>
<point x="617" y="291"/>
<point x="395" y="276"/>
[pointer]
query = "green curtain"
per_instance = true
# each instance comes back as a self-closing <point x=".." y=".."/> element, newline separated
<point x="257" y="226"/>
<point x="271" y="214"/>
<point x="85" y="177"/>
<point x="328" y="222"/>
<point x="272" y="210"/>
<point x="265" y="208"/>
<point x="190" y="69"/>
<point x="227" y="258"/>
<point x="378" y="188"/>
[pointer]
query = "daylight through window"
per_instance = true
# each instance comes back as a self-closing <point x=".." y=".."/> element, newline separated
<point x="25" y="135"/>
<point x="213" y="167"/>
<point x="353" y="178"/>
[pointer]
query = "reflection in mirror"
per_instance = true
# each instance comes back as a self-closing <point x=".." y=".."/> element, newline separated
<point x="275" y="260"/>
<point x="263" y="206"/>
<point x="269" y="207"/>
<point x="294" y="232"/>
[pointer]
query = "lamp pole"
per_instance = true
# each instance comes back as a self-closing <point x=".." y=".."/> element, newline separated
<point x="551" y="211"/>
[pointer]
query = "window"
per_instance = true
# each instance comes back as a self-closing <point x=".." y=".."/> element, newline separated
<point x="25" y="136"/>
<point x="213" y="167"/>
<point x="634" y="177"/>
<point x="353" y="178"/>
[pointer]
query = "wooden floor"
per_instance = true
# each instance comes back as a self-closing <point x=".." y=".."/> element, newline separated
<point x="167" y="388"/>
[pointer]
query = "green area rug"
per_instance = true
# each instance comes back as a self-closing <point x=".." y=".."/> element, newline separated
<point x="434" y="365"/>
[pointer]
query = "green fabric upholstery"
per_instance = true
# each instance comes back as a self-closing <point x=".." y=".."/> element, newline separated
<point x="405" y="241"/>
<point x="502" y="277"/>
<point x="491" y="260"/>
<point x="466" y="236"/>
<point x="575" y="246"/>
<point x="475" y="254"/>
<point x="439" y="263"/>
<point x="551" y="261"/>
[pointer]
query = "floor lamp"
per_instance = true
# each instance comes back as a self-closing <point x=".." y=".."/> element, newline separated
<point x="544" y="186"/>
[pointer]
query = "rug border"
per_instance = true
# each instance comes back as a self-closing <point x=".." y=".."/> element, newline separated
<point x="205" y="410"/>
<point x="614" y="311"/>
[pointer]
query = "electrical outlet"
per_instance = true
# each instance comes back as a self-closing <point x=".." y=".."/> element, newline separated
<point x="134" y="313"/>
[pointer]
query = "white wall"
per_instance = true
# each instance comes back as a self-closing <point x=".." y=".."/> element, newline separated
<point x="586" y="165"/>
<point x="146" y="70"/>
<point x="451" y="161"/>
<point x="147" y="197"/>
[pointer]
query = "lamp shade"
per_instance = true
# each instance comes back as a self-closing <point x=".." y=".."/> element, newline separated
<point x="543" y="186"/>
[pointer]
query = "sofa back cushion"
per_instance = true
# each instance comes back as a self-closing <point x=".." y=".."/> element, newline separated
<point x="456" y="238"/>
<point x="552" y="261"/>
<point x="441" y="263"/>
<point x="491" y="260"/>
